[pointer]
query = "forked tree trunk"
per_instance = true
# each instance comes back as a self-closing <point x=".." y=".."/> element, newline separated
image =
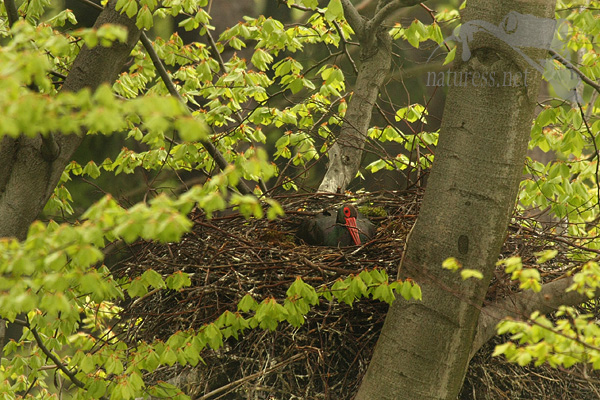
<point x="346" y="153"/>
<point x="375" y="62"/>
<point x="423" y="350"/>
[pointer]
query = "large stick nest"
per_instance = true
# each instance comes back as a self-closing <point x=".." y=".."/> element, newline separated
<point x="228" y="257"/>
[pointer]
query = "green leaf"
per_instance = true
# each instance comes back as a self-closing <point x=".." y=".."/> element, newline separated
<point x="385" y="293"/>
<point x="471" y="273"/>
<point x="178" y="280"/>
<point x="153" y="278"/>
<point x="91" y="169"/>
<point x="451" y="264"/>
<point x="191" y="129"/>
<point x="545" y="255"/>
<point x="450" y="56"/>
<point x="131" y="8"/>
<point x="137" y="288"/>
<point x="334" y="10"/>
<point x="415" y="292"/>
<point x="144" y="18"/>
<point x="405" y="290"/>
<point x="261" y="59"/>
<point x="247" y="303"/>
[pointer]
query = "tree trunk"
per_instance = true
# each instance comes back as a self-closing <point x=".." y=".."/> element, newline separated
<point x="376" y="60"/>
<point x="28" y="175"/>
<point x="423" y="350"/>
<point x="346" y="153"/>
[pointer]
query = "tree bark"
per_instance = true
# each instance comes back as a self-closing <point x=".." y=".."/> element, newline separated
<point x="27" y="175"/>
<point x="376" y="60"/>
<point x="423" y="350"/>
<point x="346" y="153"/>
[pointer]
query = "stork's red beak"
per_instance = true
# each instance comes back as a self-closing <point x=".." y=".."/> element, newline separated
<point x="353" y="229"/>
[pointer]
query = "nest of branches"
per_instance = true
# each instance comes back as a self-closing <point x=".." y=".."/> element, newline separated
<point x="228" y="257"/>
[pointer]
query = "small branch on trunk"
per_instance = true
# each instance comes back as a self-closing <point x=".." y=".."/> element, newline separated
<point x="50" y="149"/>
<point x="521" y="305"/>
<point x="384" y="11"/>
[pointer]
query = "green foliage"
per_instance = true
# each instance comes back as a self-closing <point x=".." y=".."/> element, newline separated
<point x="453" y="264"/>
<point x="572" y="338"/>
<point x="278" y="99"/>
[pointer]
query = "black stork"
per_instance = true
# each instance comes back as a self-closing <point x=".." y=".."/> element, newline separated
<point x="347" y="228"/>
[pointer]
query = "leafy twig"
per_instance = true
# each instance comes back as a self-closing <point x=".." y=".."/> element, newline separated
<point x="573" y="68"/>
<point x="593" y="138"/>
<point x="208" y="145"/>
<point x="432" y="15"/>
<point x="236" y="114"/>
<point x="164" y="75"/>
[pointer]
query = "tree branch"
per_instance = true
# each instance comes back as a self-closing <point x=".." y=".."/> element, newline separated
<point x="521" y="305"/>
<point x="383" y="12"/>
<point x="573" y="68"/>
<point x="54" y="358"/>
<point x="207" y="144"/>
<point x="355" y="20"/>
<point x="11" y="12"/>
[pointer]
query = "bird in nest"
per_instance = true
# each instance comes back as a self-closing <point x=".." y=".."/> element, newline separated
<point x="347" y="227"/>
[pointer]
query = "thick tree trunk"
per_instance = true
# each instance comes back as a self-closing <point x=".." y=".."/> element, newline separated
<point x="346" y="153"/>
<point x="28" y="175"/>
<point x="376" y="60"/>
<point x="423" y="350"/>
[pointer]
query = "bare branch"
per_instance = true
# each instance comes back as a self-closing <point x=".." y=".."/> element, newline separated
<point x="11" y="12"/>
<point x="355" y="20"/>
<point x="384" y="11"/>
<point x="521" y="305"/>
